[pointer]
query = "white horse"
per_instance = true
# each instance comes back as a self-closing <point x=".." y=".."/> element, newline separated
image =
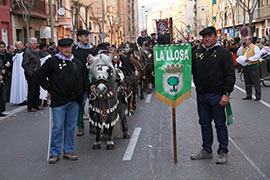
<point x="103" y="99"/>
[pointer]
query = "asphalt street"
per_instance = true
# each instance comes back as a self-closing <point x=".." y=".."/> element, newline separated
<point x="24" y="143"/>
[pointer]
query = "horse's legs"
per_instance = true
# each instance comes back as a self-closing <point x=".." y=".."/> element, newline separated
<point x="110" y="144"/>
<point x="141" y="89"/>
<point x="96" y="144"/>
<point x="130" y="102"/>
<point x="121" y="111"/>
<point x="135" y="89"/>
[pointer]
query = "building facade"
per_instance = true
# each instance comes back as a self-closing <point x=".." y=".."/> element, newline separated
<point x="38" y="22"/>
<point x="5" y="22"/>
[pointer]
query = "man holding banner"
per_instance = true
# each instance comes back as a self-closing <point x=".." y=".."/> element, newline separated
<point x="214" y="78"/>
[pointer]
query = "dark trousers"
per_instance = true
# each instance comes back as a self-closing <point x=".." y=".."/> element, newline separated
<point x="2" y="98"/>
<point x="8" y="88"/>
<point x="252" y="77"/>
<point x="208" y="109"/>
<point x="33" y="92"/>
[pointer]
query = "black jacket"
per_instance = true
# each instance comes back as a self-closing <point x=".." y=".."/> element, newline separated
<point x="31" y="61"/>
<point x="213" y="70"/>
<point x="143" y="40"/>
<point x="66" y="80"/>
<point x="82" y="54"/>
<point x="4" y="58"/>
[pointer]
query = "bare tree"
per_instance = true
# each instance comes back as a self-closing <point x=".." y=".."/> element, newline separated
<point x="249" y="7"/>
<point x="75" y="11"/>
<point x="233" y="7"/>
<point x="26" y="7"/>
<point x="221" y="16"/>
<point x="98" y="21"/>
<point x="85" y="19"/>
<point x="111" y="24"/>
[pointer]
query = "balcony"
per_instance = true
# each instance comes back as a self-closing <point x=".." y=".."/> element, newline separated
<point x="39" y="6"/>
<point x="38" y="9"/>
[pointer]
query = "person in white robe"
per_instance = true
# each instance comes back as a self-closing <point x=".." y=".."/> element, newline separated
<point x="18" y="92"/>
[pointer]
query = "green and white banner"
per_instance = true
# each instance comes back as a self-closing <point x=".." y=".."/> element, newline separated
<point x="172" y="73"/>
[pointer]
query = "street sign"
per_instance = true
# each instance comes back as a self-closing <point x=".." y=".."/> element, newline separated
<point x="244" y="32"/>
<point x="102" y="35"/>
<point x="172" y="73"/>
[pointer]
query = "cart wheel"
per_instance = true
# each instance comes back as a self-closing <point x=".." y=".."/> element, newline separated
<point x="266" y="82"/>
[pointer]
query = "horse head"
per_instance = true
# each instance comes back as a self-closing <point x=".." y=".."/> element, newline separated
<point x="103" y="72"/>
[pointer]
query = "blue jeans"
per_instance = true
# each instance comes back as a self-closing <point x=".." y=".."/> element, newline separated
<point x="208" y="109"/>
<point x="64" y="119"/>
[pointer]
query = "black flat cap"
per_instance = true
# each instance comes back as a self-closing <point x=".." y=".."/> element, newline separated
<point x="208" y="30"/>
<point x="65" y="41"/>
<point x="103" y="45"/>
<point x="82" y="32"/>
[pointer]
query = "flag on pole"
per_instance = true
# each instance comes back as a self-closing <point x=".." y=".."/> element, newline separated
<point x="172" y="73"/>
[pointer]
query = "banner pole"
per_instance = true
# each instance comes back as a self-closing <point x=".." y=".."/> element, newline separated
<point x="171" y="30"/>
<point x="174" y="135"/>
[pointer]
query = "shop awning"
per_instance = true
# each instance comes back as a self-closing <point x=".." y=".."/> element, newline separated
<point x="45" y="32"/>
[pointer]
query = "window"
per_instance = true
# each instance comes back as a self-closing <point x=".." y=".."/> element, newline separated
<point x="60" y="3"/>
<point x="90" y="26"/>
<point x="37" y="35"/>
<point x="3" y="2"/>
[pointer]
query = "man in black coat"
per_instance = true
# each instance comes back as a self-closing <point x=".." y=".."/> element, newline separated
<point x="214" y="78"/>
<point x="31" y="64"/>
<point x="81" y="51"/>
<point x="65" y="80"/>
<point x="4" y="75"/>
<point x="144" y="39"/>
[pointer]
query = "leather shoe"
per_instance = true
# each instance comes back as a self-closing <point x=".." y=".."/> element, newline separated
<point x="246" y="98"/>
<point x="2" y="114"/>
<point x="32" y="110"/>
<point x="257" y="99"/>
<point x="39" y="108"/>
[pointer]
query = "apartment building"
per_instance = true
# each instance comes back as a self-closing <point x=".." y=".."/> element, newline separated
<point x="5" y="23"/>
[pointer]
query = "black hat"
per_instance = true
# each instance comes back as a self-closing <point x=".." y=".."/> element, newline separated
<point x="152" y="34"/>
<point x="208" y="30"/>
<point x="82" y="32"/>
<point x="103" y="45"/>
<point x="65" y="41"/>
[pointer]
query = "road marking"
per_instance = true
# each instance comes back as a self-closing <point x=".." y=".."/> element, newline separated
<point x="14" y="111"/>
<point x="248" y="159"/>
<point x="261" y="101"/>
<point x="148" y="98"/>
<point x="192" y="84"/>
<point x="132" y="144"/>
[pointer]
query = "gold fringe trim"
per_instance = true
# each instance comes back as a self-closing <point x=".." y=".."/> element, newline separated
<point x="171" y="103"/>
